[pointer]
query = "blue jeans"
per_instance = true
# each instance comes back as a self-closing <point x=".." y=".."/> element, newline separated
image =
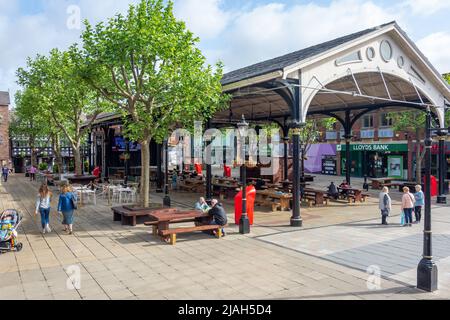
<point x="408" y="215"/>
<point x="45" y="217"/>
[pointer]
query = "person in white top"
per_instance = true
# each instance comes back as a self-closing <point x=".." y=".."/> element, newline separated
<point x="43" y="206"/>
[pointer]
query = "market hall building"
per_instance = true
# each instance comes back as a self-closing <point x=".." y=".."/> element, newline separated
<point x="346" y="79"/>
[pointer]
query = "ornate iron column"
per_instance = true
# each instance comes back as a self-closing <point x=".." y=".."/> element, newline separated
<point x="159" y="173"/>
<point x="427" y="273"/>
<point x="348" y="139"/>
<point x="442" y="198"/>
<point x="286" y="153"/>
<point x="209" y="191"/>
<point x="167" y="201"/>
<point x="244" y="223"/>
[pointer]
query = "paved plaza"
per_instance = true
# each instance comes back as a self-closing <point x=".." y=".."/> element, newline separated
<point x="337" y="255"/>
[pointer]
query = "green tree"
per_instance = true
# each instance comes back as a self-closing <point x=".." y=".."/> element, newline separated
<point x="26" y="124"/>
<point x="147" y="64"/>
<point x="65" y="100"/>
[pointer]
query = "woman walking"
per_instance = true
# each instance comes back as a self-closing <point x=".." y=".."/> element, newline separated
<point x="66" y="206"/>
<point x="43" y="205"/>
<point x="408" y="202"/>
<point x="420" y="203"/>
<point x="385" y="205"/>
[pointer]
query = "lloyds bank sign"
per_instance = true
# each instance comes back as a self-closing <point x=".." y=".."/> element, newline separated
<point x="375" y="147"/>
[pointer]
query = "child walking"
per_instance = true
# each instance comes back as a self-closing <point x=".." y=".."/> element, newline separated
<point x="43" y="206"/>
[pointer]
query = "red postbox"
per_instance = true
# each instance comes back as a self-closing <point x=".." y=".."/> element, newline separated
<point x="433" y="185"/>
<point x="199" y="169"/>
<point x="227" y="172"/>
<point x="251" y="197"/>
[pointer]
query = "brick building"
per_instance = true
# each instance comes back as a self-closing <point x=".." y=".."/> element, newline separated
<point x="5" y="157"/>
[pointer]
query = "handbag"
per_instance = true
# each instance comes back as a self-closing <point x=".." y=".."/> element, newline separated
<point x="74" y="203"/>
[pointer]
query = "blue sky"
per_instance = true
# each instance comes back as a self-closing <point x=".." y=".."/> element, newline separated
<point x="237" y="32"/>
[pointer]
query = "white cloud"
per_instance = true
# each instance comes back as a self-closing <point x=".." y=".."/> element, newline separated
<point x="427" y="7"/>
<point x="435" y="47"/>
<point x="274" y="29"/>
<point x="205" y="18"/>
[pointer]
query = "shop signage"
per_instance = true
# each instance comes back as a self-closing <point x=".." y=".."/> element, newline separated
<point x="376" y="147"/>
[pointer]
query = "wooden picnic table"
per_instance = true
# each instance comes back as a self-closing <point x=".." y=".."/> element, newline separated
<point x="320" y="197"/>
<point x="351" y="193"/>
<point x="267" y="196"/>
<point x="378" y="183"/>
<point x="128" y="215"/>
<point x="162" y="221"/>
<point x="193" y="185"/>
<point x="82" y="180"/>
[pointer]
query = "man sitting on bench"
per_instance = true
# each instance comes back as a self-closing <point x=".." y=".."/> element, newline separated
<point x="333" y="192"/>
<point x="219" y="215"/>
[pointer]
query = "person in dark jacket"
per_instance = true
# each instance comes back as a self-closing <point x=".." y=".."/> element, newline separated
<point x="5" y="173"/>
<point x="332" y="191"/>
<point x="219" y="216"/>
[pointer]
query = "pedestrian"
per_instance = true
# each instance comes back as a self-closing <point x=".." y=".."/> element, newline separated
<point x="408" y="202"/>
<point x="33" y="171"/>
<point x="43" y="206"/>
<point x="385" y="205"/>
<point x="219" y="216"/>
<point x="66" y="206"/>
<point x="332" y="191"/>
<point x="202" y="205"/>
<point x="5" y="173"/>
<point x="420" y="203"/>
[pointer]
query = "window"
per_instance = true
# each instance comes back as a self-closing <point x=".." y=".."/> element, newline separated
<point x="354" y="57"/>
<point x="370" y="53"/>
<point x="386" y="51"/>
<point x="385" y="121"/>
<point x="367" y="121"/>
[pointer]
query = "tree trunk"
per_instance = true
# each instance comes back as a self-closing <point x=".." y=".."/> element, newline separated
<point x="78" y="162"/>
<point x="33" y="152"/>
<point x="57" y="152"/>
<point x="145" y="173"/>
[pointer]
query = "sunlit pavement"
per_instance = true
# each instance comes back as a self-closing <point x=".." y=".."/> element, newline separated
<point x="337" y="255"/>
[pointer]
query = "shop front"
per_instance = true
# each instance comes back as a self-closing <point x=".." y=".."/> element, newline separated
<point x="376" y="160"/>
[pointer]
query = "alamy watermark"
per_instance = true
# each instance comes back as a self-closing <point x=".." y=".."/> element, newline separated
<point x="374" y="279"/>
<point x="230" y="147"/>
<point x="73" y="281"/>
<point x="74" y="17"/>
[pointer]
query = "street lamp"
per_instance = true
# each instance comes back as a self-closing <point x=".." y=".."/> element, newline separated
<point x="427" y="272"/>
<point x="244" y="223"/>
<point x="167" y="201"/>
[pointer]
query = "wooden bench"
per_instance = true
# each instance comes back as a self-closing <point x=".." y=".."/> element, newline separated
<point x="172" y="233"/>
<point x="275" y="206"/>
<point x="154" y="224"/>
<point x="128" y="217"/>
<point x="365" y="196"/>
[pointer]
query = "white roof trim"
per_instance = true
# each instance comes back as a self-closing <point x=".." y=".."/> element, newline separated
<point x="252" y="81"/>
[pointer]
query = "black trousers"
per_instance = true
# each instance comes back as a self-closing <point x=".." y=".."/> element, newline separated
<point x="418" y="213"/>
<point x="384" y="219"/>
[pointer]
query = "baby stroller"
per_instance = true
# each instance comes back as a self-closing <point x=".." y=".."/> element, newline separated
<point x="10" y="221"/>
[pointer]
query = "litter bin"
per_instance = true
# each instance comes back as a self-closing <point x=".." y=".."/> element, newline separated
<point x="251" y="196"/>
<point x="227" y="172"/>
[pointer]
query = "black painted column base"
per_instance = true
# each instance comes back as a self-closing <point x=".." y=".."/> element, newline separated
<point x="427" y="276"/>
<point x="298" y="223"/>
<point x="244" y="225"/>
<point x="167" y="202"/>
<point x="442" y="199"/>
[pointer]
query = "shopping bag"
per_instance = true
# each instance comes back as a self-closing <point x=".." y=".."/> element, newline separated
<point x="403" y="219"/>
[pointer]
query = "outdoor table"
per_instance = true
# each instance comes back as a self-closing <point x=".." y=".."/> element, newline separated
<point x="165" y="219"/>
<point x="377" y="183"/>
<point x="227" y="190"/>
<point x="319" y="196"/>
<point x="83" y="180"/>
<point x="83" y="190"/>
<point x="285" y="198"/>
<point x="351" y="192"/>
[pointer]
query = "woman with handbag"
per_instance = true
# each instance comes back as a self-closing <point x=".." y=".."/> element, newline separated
<point x="385" y="205"/>
<point x="66" y="206"/>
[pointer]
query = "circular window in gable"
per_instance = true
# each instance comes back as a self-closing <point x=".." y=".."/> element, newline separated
<point x="370" y="53"/>
<point x="386" y="51"/>
<point x="401" y="62"/>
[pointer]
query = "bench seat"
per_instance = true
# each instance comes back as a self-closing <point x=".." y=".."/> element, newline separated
<point x="172" y="233"/>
